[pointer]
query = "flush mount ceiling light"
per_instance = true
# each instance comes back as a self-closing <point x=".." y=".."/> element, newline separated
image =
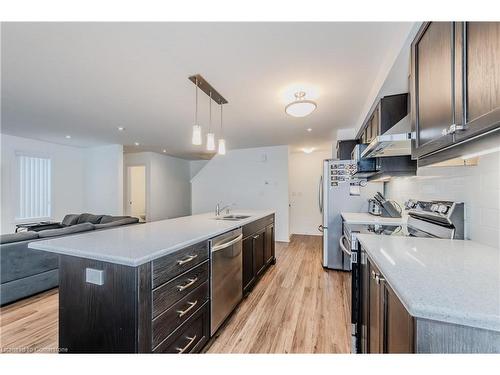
<point x="308" y="150"/>
<point x="300" y="107"/>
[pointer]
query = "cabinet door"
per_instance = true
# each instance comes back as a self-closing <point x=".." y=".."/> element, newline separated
<point x="269" y="245"/>
<point x="433" y="86"/>
<point x="482" y="77"/>
<point x="369" y="130"/>
<point x="375" y="122"/>
<point x="248" y="264"/>
<point x="398" y="324"/>
<point x="375" y="334"/>
<point x="259" y="244"/>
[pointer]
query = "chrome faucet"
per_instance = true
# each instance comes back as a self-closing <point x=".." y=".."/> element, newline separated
<point x="218" y="209"/>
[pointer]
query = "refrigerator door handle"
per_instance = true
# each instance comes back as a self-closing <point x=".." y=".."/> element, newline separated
<point x="320" y="194"/>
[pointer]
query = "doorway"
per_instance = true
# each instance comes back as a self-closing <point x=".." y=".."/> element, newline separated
<point x="136" y="192"/>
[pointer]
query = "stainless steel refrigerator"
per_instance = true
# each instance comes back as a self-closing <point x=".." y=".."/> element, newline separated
<point x="339" y="192"/>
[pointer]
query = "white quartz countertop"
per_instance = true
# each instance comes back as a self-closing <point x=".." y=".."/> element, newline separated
<point x="366" y="218"/>
<point x="134" y="245"/>
<point x="451" y="281"/>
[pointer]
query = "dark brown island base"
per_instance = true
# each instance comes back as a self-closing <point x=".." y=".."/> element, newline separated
<point x="159" y="306"/>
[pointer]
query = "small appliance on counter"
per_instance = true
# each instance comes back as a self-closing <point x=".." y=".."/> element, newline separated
<point x="435" y="219"/>
<point x="379" y="206"/>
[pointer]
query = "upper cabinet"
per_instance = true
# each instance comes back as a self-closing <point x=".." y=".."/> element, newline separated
<point x="455" y="83"/>
<point x="482" y="76"/>
<point x="387" y="113"/>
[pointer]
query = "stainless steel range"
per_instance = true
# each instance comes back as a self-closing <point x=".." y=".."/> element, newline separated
<point x="436" y="219"/>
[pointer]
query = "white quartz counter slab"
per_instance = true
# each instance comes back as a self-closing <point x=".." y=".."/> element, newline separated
<point x="366" y="218"/>
<point x="134" y="245"/>
<point x="450" y="281"/>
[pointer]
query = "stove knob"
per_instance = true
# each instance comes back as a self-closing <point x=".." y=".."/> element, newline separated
<point x="434" y="207"/>
<point x="442" y="209"/>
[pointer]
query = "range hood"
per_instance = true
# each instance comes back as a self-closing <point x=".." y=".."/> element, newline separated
<point x="394" y="142"/>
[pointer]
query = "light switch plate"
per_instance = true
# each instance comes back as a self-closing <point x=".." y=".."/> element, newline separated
<point x="93" y="276"/>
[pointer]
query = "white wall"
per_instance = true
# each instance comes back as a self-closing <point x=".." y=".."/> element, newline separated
<point x="196" y="165"/>
<point x="477" y="186"/>
<point x="305" y="172"/>
<point x="167" y="184"/>
<point x="253" y="178"/>
<point x="104" y="180"/>
<point x="67" y="177"/>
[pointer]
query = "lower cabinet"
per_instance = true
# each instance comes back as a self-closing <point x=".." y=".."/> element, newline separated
<point x="389" y="327"/>
<point x="258" y="251"/>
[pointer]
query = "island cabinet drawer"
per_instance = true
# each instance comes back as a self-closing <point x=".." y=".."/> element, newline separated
<point x="191" y="336"/>
<point x="255" y="226"/>
<point x="169" y="293"/>
<point x="174" y="264"/>
<point x="167" y="322"/>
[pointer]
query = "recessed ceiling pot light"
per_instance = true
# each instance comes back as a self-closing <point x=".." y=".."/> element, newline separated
<point x="300" y="107"/>
<point x="308" y="150"/>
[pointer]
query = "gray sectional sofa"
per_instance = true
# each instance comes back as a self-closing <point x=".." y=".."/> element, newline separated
<point x="24" y="271"/>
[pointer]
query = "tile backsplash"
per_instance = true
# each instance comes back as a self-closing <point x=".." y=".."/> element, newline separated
<point x="477" y="186"/>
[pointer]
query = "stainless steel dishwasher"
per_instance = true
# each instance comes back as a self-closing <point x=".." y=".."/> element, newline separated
<point x="226" y="287"/>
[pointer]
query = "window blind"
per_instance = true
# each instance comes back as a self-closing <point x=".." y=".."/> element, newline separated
<point x="34" y="187"/>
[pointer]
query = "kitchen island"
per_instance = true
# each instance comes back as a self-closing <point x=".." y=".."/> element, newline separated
<point x="146" y="288"/>
<point x="428" y="295"/>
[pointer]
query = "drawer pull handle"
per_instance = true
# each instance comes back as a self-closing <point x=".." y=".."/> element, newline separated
<point x="191" y="282"/>
<point x="191" y="306"/>
<point x="187" y="260"/>
<point x="191" y="340"/>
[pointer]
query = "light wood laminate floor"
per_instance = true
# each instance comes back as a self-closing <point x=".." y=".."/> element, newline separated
<point x="297" y="307"/>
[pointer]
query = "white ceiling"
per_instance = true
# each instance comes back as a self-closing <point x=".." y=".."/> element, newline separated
<point x="86" y="79"/>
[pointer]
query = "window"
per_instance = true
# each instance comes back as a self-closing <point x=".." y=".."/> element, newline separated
<point x="34" y="182"/>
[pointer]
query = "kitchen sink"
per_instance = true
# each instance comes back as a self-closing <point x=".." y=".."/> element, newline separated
<point x="233" y="217"/>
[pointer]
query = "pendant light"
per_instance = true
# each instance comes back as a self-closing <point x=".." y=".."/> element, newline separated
<point x="210" y="135"/>
<point x="196" y="139"/>
<point x="222" y="141"/>
<point x="300" y="107"/>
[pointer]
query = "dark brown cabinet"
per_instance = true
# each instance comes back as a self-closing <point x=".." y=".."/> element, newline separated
<point x="259" y="244"/>
<point x="398" y="324"/>
<point x="455" y="84"/>
<point x="248" y="266"/>
<point x="388" y="112"/>
<point x="434" y="67"/>
<point x="269" y="245"/>
<point x="258" y="250"/>
<point x="386" y="326"/>
<point x="481" y="78"/>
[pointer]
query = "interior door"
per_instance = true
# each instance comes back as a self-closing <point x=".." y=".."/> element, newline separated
<point x="136" y="192"/>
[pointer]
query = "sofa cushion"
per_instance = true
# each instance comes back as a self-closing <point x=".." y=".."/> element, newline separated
<point x="89" y="218"/>
<point x="16" y="237"/>
<point x="70" y="219"/>
<point x="116" y="223"/>
<point x="105" y="219"/>
<point x="83" y="227"/>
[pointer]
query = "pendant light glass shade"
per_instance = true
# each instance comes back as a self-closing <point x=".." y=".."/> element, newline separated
<point x="210" y="141"/>
<point x="196" y="140"/>
<point x="300" y="107"/>
<point x="222" y="147"/>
